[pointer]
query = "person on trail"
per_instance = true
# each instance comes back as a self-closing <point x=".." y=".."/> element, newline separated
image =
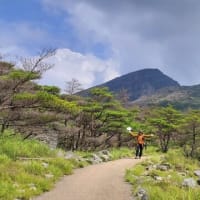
<point x="140" y="139"/>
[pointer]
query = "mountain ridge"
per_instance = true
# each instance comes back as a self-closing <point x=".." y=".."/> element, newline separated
<point x="138" y="83"/>
<point x="182" y="98"/>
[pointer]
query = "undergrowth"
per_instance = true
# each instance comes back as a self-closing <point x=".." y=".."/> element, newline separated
<point x="165" y="185"/>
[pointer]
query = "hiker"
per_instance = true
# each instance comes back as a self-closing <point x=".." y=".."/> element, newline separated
<point x="140" y="139"/>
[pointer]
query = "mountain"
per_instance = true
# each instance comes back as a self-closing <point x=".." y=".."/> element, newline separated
<point x="151" y="87"/>
<point x="139" y="83"/>
<point x="182" y="98"/>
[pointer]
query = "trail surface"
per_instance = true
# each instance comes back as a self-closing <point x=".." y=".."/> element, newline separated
<point x="96" y="182"/>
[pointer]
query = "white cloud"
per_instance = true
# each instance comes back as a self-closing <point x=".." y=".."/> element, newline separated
<point x="85" y="68"/>
<point x="141" y="34"/>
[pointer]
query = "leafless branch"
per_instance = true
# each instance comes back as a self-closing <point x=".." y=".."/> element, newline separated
<point x="38" y="63"/>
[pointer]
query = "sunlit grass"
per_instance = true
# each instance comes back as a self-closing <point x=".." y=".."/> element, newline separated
<point x="117" y="153"/>
<point x="28" y="167"/>
<point x="169" y="184"/>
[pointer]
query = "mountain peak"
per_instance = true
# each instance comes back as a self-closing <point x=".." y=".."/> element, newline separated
<point x="141" y="83"/>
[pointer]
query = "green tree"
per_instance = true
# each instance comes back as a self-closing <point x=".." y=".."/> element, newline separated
<point x="24" y="105"/>
<point x="191" y="132"/>
<point x="100" y="119"/>
<point x="165" y="122"/>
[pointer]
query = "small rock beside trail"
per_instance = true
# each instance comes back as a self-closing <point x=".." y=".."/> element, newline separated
<point x="197" y="173"/>
<point x="142" y="194"/>
<point x="189" y="182"/>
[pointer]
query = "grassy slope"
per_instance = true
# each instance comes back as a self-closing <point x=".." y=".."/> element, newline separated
<point x="180" y="97"/>
<point x="23" y="178"/>
<point x="170" y="187"/>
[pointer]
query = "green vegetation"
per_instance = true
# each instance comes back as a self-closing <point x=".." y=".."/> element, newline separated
<point x="92" y="123"/>
<point x="165" y="184"/>
<point x="121" y="153"/>
<point x="165" y="121"/>
<point x="28" y="168"/>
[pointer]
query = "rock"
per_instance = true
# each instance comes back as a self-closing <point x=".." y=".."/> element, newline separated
<point x="70" y="155"/>
<point x="151" y="167"/>
<point x="158" y="178"/>
<point x="96" y="159"/>
<point x="182" y="173"/>
<point x="197" y="173"/>
<point x="142" y="194"/>
<point x="60" y="154"/>
<point x="48" y="176"/>
<point x="163" y="167"/>
<point x="45" y="165"/>
<point x="104" y="155"/>
<point x="189" y="182"/>
<point x="105" y="152"/>
<point x="105" y="158"/>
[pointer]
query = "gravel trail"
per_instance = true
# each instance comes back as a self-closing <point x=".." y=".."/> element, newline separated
<point x="104" y="181"/>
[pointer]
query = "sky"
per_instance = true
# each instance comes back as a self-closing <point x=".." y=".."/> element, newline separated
<point x="98" y="40"/>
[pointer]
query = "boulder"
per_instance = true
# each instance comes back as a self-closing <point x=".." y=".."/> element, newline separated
<point x="189" y="182"/>
<point x="45" y="165"/>
<point x="104" y="155"/>
<point x="96" y="159"/>
<point x="163" y="167"/>
<point x="142" y="194"/>
<point x="158" y="178"/>
<point x="197" y="173"/>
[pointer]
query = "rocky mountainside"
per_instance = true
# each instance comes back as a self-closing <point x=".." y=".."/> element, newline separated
<point x="183" y="97"/>
<point x="139" y="83"/>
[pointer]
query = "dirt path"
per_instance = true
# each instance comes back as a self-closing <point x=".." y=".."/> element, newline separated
<point x="96" y="182"/>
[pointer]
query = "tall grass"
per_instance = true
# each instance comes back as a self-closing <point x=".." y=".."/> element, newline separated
<point x="170" y="186"/>
<point x="28" y="167"/>
<point x="117" y="153"/>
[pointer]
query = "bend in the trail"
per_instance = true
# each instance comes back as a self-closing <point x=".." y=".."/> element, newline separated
<point x="96" y="182"/>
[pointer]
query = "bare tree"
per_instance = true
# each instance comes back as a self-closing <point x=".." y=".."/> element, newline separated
<point x="38" y="64"/>
<point x="123" y="96"/>
<point x="1" y="57"/>
<point x="32" y="69"/>
<point x="73" y="86"/>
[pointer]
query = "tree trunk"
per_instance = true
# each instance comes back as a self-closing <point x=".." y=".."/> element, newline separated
<point x="193" y="142"/>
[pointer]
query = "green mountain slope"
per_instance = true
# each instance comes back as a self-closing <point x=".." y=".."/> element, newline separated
<point x="182" y="97"/>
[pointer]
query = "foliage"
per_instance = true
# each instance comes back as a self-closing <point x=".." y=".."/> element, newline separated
<point x="190" y="137"/>
<point x="99" y="119"/>
<point x="169" y="186"/>
<point x="117" y="153"/>
<point x="165" y="122"/>
<point x="49" y="89"/>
